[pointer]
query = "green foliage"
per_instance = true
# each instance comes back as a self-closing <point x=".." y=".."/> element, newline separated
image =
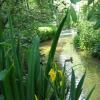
<point x="79" y="87"/>
<point x="73" y="84"/>
<point x="71" y="17"/>
<point x="73" y="14"/>
<point x="34" y="81"/>
<point x="46" y="33"/>
<point x="26" y="20"/>
<point x="27" y="79"/>
<point x="33" y="69"/>
<point x="87" y="38"/>
<point x="84" y="33"/>
<point x="54" y="44"/>
<point x="94" y="13"/>
<point x="75" y="91"/>
<point x="76" y="42"/>
<point x="4" y="81"/>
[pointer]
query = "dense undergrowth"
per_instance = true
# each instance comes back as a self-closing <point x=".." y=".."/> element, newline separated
<point x="88" y="32"/>
<point x="87" y="39"/>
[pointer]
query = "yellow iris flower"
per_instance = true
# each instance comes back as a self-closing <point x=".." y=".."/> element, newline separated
<point x="52" y="74"/>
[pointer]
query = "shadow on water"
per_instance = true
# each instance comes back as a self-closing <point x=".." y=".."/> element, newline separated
<point x="81" y="62"/>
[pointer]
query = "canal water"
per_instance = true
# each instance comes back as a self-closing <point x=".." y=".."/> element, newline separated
<point x="81" y="62"/>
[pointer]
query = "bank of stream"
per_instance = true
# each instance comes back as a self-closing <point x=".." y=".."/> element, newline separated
<point x="81" y="61"/>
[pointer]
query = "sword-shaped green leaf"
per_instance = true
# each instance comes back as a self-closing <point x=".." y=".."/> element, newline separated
<point x="79" y="87"/>
<point x="73" y="85"/>
<point x="5" y="85"/>
<point x="32" y="64"/>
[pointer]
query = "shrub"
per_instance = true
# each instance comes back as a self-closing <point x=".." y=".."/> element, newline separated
<point x="87" y="38"/>
<point x="46" y="33"/>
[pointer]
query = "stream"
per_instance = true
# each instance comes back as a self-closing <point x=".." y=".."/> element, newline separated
<point x="81" y="62"/>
